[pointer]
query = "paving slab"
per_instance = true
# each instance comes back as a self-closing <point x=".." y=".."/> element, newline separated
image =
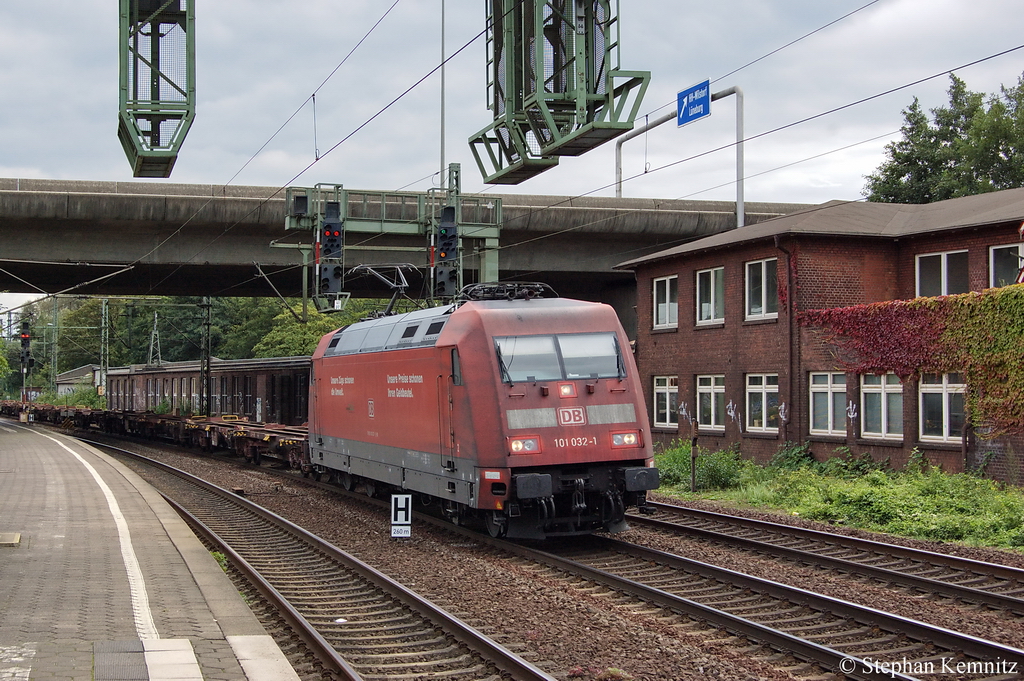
<point x="102" y="577"/>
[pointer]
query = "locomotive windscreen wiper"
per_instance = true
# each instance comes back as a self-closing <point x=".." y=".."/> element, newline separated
<point x="505" y="376"/>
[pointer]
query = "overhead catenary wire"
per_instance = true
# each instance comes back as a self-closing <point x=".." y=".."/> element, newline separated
<point x="647" y="171"/>
<point x="230" y="180"/>
<point x="669" y="244"/>
<point x="312" y="97"/>
<point x="338" y="144"/>
<point x="318" y="156"/>
<point x="780" y="128"/>
<point x="568" y="200"/>
<point x="778" y="49"/>
<point x="620" y="214"/>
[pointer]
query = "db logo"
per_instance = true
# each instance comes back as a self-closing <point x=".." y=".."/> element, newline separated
<point x="572" y="416"/>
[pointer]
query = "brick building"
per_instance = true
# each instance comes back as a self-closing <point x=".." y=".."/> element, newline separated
<point x="718" y="340"/>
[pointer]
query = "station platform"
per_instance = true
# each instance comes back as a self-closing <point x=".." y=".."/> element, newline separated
<point x="100" y="580"/>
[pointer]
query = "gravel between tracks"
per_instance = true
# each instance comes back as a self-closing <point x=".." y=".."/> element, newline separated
<point x="572" y="631"/>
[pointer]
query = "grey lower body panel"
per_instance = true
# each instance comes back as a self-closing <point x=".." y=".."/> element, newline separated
<point x="406" y="469"/>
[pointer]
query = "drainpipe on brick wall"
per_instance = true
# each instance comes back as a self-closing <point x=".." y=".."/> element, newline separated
<point x="793" y="361"/>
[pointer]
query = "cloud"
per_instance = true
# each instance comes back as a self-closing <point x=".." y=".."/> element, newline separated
<point x="259" y="61"/>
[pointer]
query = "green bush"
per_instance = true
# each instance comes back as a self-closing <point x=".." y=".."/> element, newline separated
<point x="715" y="470"/>
<point x="844" y="463"/>
<point x="922" y="504"/>
<point x="85" y="396"/>
<point x="792" y="456"/>
<point x="919" y="501"/>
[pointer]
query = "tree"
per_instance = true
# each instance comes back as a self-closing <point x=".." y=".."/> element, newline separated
<point x="968" y="148"/>
<point x="245" y="322"/>
<point x="5" y="366"/>
<point x="291" y="338"/>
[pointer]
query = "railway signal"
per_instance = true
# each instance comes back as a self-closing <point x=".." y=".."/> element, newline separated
<point x="330" y="265"/>
<point x="26" y="345"/>
<point x="446" y="276"/>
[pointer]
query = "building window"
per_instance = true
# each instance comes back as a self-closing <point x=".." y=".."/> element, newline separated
<point x="942" y="274"/>
<point x="942" y="407"/>
<point x="828" y="404"/>
<point x="711" y="402"/>
<point x="666" y="401"/>
<point x="666" y="305"/>
<point x="762" y="293"/>
<point x="881" y="406"/>
<point x="1004" y="265"/>
<point x="762" y="403"/>
<point x="711" y="296"/>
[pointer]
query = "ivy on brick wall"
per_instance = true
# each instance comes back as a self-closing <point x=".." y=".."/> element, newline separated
<point x="980" y="335"/>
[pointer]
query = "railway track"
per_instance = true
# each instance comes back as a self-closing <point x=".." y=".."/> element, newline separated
<point x="356" y="621"/>
<point x="840" y="637"/>
<point x="827" y="637"/>
<point x="989" y="584"/>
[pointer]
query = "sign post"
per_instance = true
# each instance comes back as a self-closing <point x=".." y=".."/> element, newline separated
<point x="693" y="103"/>
<point x="401" y="515"/>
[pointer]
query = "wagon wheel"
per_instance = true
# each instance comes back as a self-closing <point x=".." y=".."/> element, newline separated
<point x="346" y="481"/>
<point x="369" y="488"/>
<point x="497" y="526"/>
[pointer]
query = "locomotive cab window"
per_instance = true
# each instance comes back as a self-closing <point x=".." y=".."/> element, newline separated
<point x="456" y="368"/>
<point x="561" y="357"/>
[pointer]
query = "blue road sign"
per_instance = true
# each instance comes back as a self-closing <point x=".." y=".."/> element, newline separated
<point x="693" y="103"/>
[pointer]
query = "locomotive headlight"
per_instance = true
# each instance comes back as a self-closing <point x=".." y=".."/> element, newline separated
<point x="630" y="438"/>
<point x="524" y="445"/>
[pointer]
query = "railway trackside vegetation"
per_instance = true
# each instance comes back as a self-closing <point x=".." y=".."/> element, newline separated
<point x="153" y="330"/>
<point x="919" y="501"/>
<point x="81" y="397"/>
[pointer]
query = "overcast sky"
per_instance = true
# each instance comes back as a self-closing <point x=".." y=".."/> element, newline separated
<point x="259" y="61"/>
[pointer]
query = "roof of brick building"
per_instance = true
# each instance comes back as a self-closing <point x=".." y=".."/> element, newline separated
<point x="864" y="219"/>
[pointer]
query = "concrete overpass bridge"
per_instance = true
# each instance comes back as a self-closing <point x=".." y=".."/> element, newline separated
<point x="178" y="239"/>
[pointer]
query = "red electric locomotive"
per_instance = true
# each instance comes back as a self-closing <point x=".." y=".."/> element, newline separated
<point x="525" y="412"/>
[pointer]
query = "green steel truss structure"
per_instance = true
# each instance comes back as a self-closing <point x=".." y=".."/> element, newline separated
<point x="554" y="85"/>
<point x="157" y="82"/>
<point x="400" y="214"/>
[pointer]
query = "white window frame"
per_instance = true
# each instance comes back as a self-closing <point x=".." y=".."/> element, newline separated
<point x="766" y="299"/>
<point x="662" y="290"/>
<point x="950" y="385"/>
<point x="666" y="401"/>
<point x="711" y="387"/>
<point x="716" y="282"/>
<point x="1019" y="252"/>
<point x="832" y="386"/>
<point x="888" y="384"/>
<point x="762" y="385"/>
<point x="944" y="271"/>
